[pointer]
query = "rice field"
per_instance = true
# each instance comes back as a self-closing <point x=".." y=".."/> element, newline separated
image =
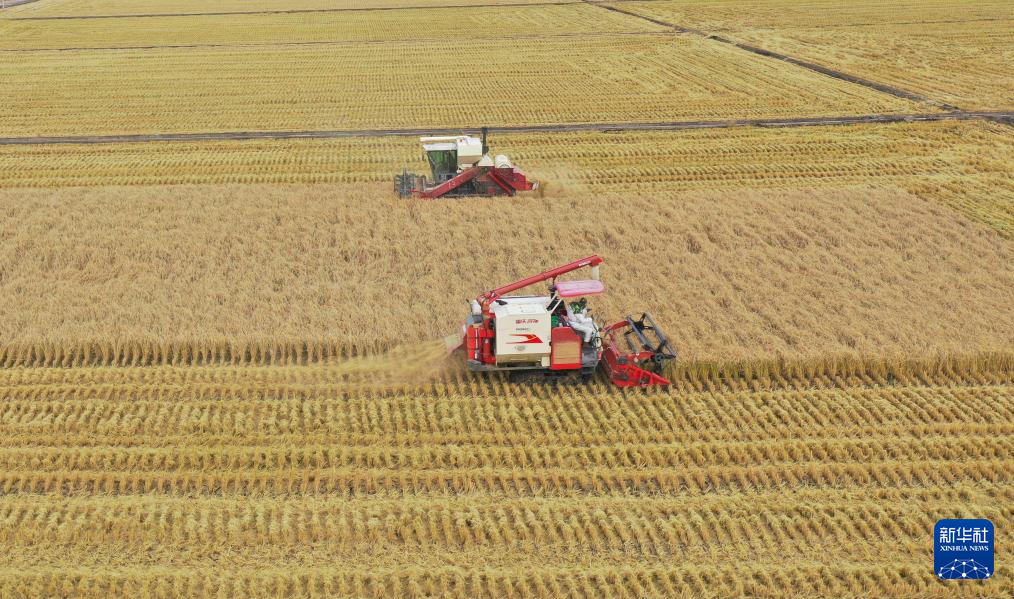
<point x="393" y="29"/>
<point x="954" y="52"/>
<point x="220" y="366"/>
<point x="728" y="16"/>
<point x="965" y="166"/>
<point x="380" y="86"/>
<point x="189" y="480"/>
<point x="86" y="8"/>
<point x="254" y="273"/>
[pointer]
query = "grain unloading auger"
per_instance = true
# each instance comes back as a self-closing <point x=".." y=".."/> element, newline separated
<point x="461" y="166"/>
<point x="545" y="337"/>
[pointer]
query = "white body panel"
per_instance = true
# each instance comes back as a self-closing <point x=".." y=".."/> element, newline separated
<point x="523" y="328"/>
<point x="469" y="151"/>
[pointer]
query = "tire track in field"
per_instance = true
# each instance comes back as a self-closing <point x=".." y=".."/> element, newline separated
<point x="1006" y="117"/>
<point x="812" y="66"/>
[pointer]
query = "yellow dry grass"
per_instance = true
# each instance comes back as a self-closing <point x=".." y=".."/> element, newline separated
<point x="267" y="273"/>
<point x="952" y="51"/>
<point x="287" y="481"/>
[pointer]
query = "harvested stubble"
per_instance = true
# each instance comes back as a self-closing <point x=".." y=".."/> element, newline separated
<point x="953" y="51"/>
<point x="348" y="29"/>
<point x="128" y="7"/>
<point x="967" y="166"/>
<point x="619" y="78"/>
<point x="514" y="491"/>
<point x="267" y="274"/>
<point x="736" y="15"/>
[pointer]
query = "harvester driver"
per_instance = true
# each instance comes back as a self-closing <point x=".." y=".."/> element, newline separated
<point x="580" y="320"/>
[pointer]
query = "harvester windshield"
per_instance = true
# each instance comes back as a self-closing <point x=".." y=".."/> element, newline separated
<point x="443" y="159"/>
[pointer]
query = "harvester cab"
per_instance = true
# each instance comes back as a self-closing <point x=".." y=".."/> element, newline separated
<point x="461" y="165"/>
<point x="547" y="337"/>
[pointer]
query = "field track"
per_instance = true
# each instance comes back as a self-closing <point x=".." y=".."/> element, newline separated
<point x="1006" y="117"/>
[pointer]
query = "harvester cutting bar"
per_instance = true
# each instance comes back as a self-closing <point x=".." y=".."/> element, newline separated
<point x="649" y="349"/>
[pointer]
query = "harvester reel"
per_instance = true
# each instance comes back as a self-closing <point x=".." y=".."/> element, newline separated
<point x="408" y="184"/>
<point x="644" y="335"/>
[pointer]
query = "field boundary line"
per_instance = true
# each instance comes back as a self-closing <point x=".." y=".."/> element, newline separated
<point x="812" y="66"/>
<point x="292" y="11"/>
<point x="1006" y="117"/>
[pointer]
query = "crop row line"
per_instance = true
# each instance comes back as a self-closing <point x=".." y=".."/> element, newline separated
<point x="585" y="416"/>
<point x="170" y="460"/>
<point x="601" y="526"/>
<point x="893" y="578"/>
<point x="589" y="415"/>
<point x="38" y="434"/>
<point x="331" y="368"/>
<point x="513" y="481"/>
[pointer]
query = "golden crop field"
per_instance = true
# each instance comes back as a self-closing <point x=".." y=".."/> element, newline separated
<point x="955" y="52"/>
<point x="50" y="8"/>
<point x="728" y="16"/>
<point x="965" y="166"/>
<point x="286" y="481"/>
<point x="221" y="366"/>
<point x="263" y="273"/>
<point x="394" y="28"/>
<point x="414" y="85"/>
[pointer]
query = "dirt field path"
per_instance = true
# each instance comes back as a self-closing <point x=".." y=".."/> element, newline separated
<point x="1002" y="117"/>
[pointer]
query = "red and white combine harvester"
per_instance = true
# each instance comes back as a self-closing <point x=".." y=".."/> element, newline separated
<point x="545" y="337"/>
<point x="461" y="166"/>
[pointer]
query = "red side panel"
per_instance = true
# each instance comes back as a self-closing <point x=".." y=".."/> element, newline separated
<point x="566" y="351"/>
<point x="478" y="344"/>
<point x="514" y="178"/>
<point x="463" y="177"/>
